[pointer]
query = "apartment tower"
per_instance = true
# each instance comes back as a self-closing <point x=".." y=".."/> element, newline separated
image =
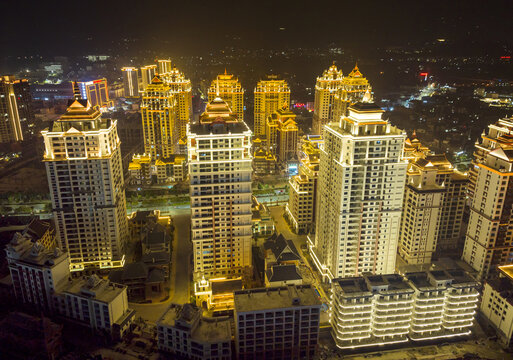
<point x="130" y="81"/>
<point x="10" y="126"/>
<point x="271" y="94"/>
<point x="219" y="152"/>
<point x="85" y="176"/>
<point x="228" y="87"/>
<point x="360" y="195"/>
<point x="326" y="87"/>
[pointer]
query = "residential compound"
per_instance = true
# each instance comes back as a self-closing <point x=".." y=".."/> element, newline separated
<point x="497" y="304"/>
<point x="359" y="195"/>
<point x="228" y="87"/>
<point x="300" y="210"/>
<point x="489" y="238"/>
<point x="83" y="166"/>
<point x="434" y="200"/>
<point x="42" y="280"/>
<point x="326" y="87"/>
<point x="271" y="94"/>
<point x="375" y="310"/>
<point x="183" y="331"/>
<point x="10" y="125"/>
<point x="219" y="152"/>
<point x="277" y="323"/>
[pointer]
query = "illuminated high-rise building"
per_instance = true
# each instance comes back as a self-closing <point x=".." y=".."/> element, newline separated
<point x="353" y="89"/>
<point x="164" y="66"/>
<point x="300" y="210"/>
<point x="130" y="81"/>
<point x="271" y="94"/>
<point x="85" y="176"/>
<point x="158" y="112"/>
<point x="181" y="89"/>
<point x="147" y="74"/>
<point x="10" y="126"/>
<point x="96" y="92"/>
<point x="281" y="135"/>
<point x="434" y="200"/>
<point x="360" y="195"/>
<point x="219" y="152"/>
<point x="227" y="87"/>
<point x="489" y="238"/>
<point x="325" y="89"/>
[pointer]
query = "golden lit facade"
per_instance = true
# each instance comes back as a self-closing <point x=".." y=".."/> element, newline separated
<point x="326" y="87"/>
<point x="130" y="81"/>
<point x="147" y="74"/>
<point x="160" y="124"/>
<point x="85" y="176"/>
<point x="281" y="135"/>
<point x="164" y="66"/>
<point x="354" y="88"/>
<point x="181" y="89"/>
<point x="271" y="94"/>
<point x="227" y="87"/>
<point x="10" y="125"/>
<point x="219" y="157"/>
<point x="96" y="92"/>
<point x="489" y="238"/>
<point x="434" y="201"/>
<point x="300" y="210"/>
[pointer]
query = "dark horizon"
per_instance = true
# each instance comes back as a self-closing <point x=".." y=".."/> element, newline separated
<point x="75" y="28"/>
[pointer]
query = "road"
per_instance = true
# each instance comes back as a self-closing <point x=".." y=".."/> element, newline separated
<point x="180" y="269"/>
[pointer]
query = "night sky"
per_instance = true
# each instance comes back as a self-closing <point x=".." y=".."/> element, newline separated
<point x="193" y="27"/>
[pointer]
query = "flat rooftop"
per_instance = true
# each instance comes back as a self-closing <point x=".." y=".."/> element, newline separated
<point x="94" y="287"/>
<point x="275" y="298"/>
<point x="213" y="330"/>
<point x="219" y="128"/>
<point x="420" y="280"/>
<point x="353" y="285"/>
<point x="393" y="282"/>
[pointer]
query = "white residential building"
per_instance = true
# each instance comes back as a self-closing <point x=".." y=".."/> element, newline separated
<point x="85" y="176"/>
<point x="219" y="151"/>
<point x="489" y="238"/>
<point x="359" y="195"/>
<point x="375" y="310"/>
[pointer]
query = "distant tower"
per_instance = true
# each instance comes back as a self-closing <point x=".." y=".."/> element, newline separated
<point x="325" y="89"/>
<point x="180" y="88"/>
<point x="164" y="66"/>
<point x="227" y="87"/>
<point x="271" y="94"/>
<point x="130" y="81"/>
<point x="360" y="195"/>
<point x="159" y="119"/>
<point x="96" y="92"/>
<point x="147" y="74"/>
<point x="352" y="89"/>
<point x="489" y="238"/>
<point x="219" y="151"/>
<point x="85" y="176"/>
<point x="10" y="126"/>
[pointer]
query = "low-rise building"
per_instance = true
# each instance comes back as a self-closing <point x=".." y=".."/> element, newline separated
<point x="497" y="304"/>
<point x="144" y="170"/>
<point x="280" y="251"/>
<point x="96" y="303"/>
<point x="156" y="239"/>
<point x="375" y="310"/>
<point x="183" y="331"/>
<point x="276" y="323"/>
<point x="281" y="275"/>
<point x="143" y="281"/>
<point x="263" y="224"/>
